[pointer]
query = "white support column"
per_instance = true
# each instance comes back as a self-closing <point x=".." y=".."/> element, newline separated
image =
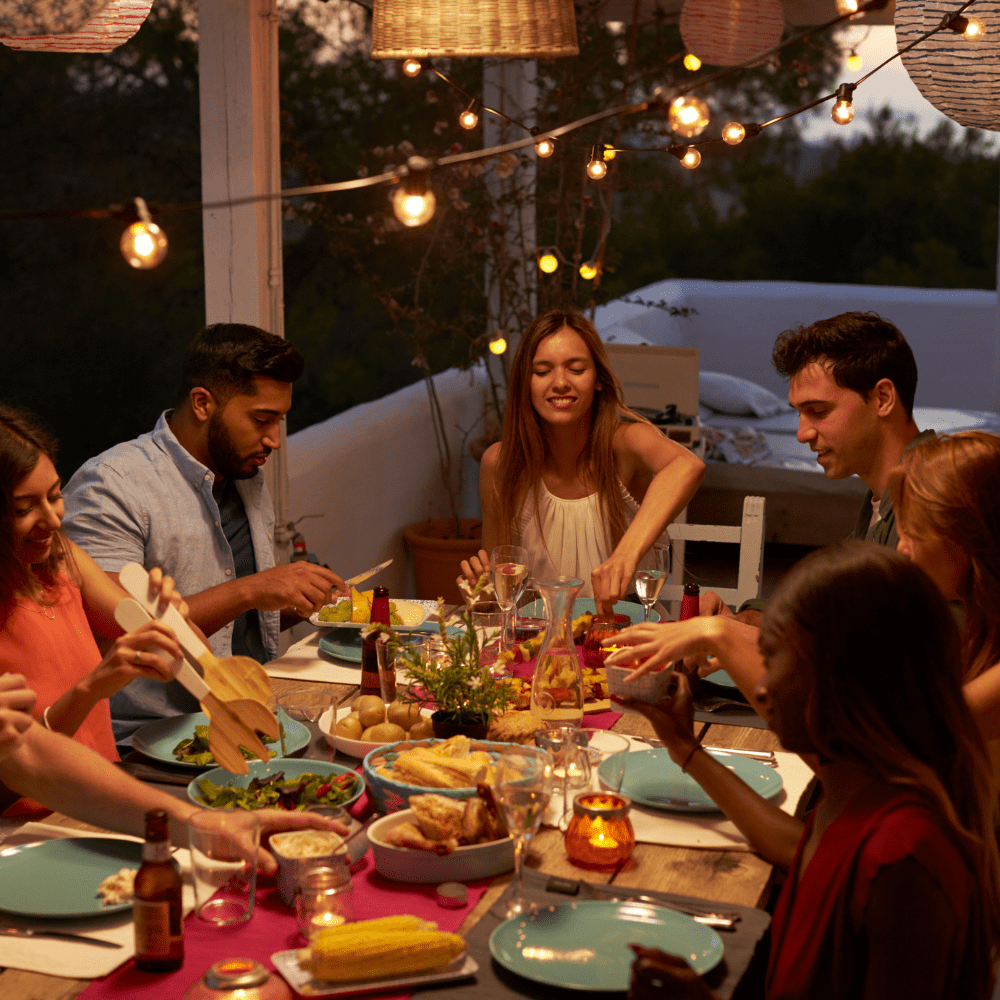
<point x="241" y="156"/>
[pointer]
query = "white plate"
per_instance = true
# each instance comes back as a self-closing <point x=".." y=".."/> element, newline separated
<point x="352" y="748"/>
<point x="413" y="614"/>
<point x="301" y="980"/>
<point x="464" y="864"/>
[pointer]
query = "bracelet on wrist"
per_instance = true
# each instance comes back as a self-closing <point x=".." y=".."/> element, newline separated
<point x="45" y="719"/>
<point x="687" y="759"/>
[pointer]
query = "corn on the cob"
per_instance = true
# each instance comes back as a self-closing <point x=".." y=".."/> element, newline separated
<point x="389" y="946"/>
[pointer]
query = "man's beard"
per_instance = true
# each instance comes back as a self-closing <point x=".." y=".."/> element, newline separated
<point x="228" y="462"/>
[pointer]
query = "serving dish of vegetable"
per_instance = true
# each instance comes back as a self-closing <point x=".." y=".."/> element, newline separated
<point x="281" y="783"/>
<point x="196" y="750"/>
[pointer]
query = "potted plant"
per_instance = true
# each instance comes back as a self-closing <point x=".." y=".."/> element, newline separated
<point x="464" y="692"/>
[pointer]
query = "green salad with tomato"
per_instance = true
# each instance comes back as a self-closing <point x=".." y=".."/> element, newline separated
<point x="278" y="792"/>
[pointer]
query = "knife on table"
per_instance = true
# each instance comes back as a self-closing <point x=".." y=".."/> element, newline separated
<point x="361" y="577"/>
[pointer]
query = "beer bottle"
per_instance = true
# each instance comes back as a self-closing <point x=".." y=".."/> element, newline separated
<point x="689" y="603"/>
<point x="157" y="910"/>
<point x="369" y="655"/>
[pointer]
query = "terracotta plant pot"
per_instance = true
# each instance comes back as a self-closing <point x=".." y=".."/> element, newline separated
<point x="444" y="727"/>
<point x="437" y="554"/>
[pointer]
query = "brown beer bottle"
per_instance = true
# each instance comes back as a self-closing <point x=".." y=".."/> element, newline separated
<point x="369" y="656"/>
<point x="157" y="910"/>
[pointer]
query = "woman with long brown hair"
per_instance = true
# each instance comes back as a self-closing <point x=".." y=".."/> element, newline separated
<point x="894" y="881"/>
<point x="581" y="481"/>
<point x="55" y="601"/>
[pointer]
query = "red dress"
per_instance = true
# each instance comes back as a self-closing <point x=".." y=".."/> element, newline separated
<point x="54" y="653"/>
<point x="818" y="944"/>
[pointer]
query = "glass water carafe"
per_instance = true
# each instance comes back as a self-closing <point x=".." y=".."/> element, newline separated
<point x="557" y="687"/>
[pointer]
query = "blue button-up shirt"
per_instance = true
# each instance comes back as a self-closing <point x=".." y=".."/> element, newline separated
<point x="149" y="501"/>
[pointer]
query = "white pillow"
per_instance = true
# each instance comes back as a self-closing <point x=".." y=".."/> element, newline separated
<point x="737" y="396"/>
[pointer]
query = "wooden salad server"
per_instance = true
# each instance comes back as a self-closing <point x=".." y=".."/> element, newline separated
<point x="230" y="679"/>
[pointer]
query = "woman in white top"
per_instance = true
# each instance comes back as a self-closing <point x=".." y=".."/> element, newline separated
<point x="582" y="482"/>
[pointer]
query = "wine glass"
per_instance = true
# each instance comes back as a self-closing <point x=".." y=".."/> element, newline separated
<point x="509" y="571"/>
<point x="523" y="787"/>
<point x="649" y="582"/>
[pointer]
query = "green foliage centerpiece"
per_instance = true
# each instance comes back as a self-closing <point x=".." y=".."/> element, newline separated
<point x="448" y="674"/>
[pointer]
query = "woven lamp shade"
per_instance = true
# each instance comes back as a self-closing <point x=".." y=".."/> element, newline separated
<point x="729" y="32"/>
<point x="961" y="78"/>
<point x="110" y="27"/>
<point x="525" y="29"/>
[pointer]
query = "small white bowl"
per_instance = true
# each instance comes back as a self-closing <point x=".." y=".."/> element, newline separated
<point x="290" y="866"/>
<point x="652" y="687"/>
<point x="405" y="864"/>
<point x="351" y="748"/>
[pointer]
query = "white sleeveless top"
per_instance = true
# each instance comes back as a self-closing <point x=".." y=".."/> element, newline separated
<point x="572" y="540"/>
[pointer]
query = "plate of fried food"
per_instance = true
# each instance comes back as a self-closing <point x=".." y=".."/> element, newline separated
<point x="458" y="840"/>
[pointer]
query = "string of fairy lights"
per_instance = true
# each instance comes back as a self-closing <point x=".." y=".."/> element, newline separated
<point x="144" y="244"/>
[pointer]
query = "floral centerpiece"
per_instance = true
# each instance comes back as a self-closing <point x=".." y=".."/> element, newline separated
<point x="449" y="675"/>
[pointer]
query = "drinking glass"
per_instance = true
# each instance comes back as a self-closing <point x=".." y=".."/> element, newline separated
<point x="567" y="745"/>
<point x="224" y="846"/>
<point x="305" y="705"/>
<point x="603" y="745"/>
<point x="649" y="582"/>
<point x="487" y="620"/>
<point x="524" y="787"/>
<point x="529" y="615"/>
<point x="509" y="572"/>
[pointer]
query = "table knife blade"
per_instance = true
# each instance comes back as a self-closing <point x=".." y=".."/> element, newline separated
<point x="361" y="577"/>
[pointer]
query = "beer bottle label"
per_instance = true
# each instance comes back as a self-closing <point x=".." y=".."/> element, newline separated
<point x="152" y="928"/>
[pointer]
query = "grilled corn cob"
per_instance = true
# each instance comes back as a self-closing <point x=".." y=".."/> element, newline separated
<point x="389" y="946"/>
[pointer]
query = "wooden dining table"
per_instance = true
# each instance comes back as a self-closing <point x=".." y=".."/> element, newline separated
<point x="725" y="876"/>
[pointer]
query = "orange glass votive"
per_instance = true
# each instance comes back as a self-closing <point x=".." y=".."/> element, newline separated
<point x="594" y="654"/>
<point x="600" y="834"/>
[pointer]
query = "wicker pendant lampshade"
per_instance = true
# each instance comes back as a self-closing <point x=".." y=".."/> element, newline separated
<point x="960" y="77"/>
<point x="729" y="32"/>
<point x="525" y="29"/>
<point x="111" y="26"/>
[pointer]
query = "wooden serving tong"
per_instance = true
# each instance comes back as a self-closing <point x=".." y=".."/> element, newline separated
<point x="236" y="705"/>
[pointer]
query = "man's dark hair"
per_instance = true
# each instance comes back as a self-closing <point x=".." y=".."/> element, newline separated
<point x="225" y="357"/>
<point x="860" y="349"/>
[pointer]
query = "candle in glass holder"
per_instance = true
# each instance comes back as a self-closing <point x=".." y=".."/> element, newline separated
<point x="600" y="834"/>
<point x="323" y="898"/>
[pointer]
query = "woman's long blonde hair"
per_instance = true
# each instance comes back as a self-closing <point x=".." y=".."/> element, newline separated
<point x="949" y="486"/>
<point x="523" y="448"/>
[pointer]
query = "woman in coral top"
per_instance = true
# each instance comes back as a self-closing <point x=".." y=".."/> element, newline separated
<point x="893" y="884"/>
<point x="54" y="599"/>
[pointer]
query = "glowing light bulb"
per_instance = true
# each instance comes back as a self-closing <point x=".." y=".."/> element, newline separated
<point x="596" y="169"/>
<point x="843" y="112"/>
<point x="733" y="133"/>
<point x="847" y="7"/>
<point x="143" y="244"/>
<point x="588" y="270"/>
<point x="974" y="30"/>
<point x="692" y="62"/>
<point x="544" y="147"/>
<point x="609" y="152"/>
<point x="688" y="116"/>
<point x="854" y="62"/>
<point x="468" y="119"/>
<point x="498" y="344"/>
<point x="412" y="67"/>
<point x="548" y="262"/>
<point x="691" y="159"/>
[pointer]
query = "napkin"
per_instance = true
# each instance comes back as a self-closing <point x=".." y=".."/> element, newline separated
<point x="305" y="661"/>
<point x="75" y="960"/>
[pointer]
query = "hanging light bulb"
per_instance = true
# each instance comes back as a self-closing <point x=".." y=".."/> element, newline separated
<point x="688" y="116"/>
<point x="609" y="153"/>
<point x="143" y="244"/>
<point x="588" y="270"/>
<point x="843" y="109"/>
<point x="596" y="169"/>
<point x="692" y="62"/>
<point x="544" y="147"/>
<point x="411" y="66"/>
<point x="548" y="262"/>
<point x="970" y="27"/>
<point x="847" y="7"/>
<point x="691" y="158"/>
<point x="498" y="344"/>
<point x="468" y="118"/>
<point x="733" y="133"/>
<point x="413" y="202"/>
<point x="854" y="62"/>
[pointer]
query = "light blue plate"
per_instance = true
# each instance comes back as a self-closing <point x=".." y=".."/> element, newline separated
<point x="292" y="767"/>
<point x="721" y="678"/>
<point x="59" y="878"/>
<point x="653" y="779"/>
<point x="586" y="605"/>
<point x="158" y="739"/>
<point x="595" y="936"/>
<point x="345" y="643"/>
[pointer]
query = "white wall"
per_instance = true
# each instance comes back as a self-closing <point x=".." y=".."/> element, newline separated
<point x="374" y="468"/>
<point x="953" y="333"/>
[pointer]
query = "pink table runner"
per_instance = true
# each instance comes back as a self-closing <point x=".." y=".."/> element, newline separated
<point x="272" y="928"/>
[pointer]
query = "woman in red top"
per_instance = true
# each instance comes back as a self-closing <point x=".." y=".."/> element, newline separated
<point x="893" y="884"/>
<point x="54" y="599"/>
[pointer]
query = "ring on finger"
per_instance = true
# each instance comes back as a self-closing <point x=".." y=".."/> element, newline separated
<point x="135" y="658"/>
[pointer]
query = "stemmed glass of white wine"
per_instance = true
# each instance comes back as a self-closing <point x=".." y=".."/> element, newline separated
<point x="523" y="787"/>
<point x="509" y="571"/>
<point x="649" y="583"/>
